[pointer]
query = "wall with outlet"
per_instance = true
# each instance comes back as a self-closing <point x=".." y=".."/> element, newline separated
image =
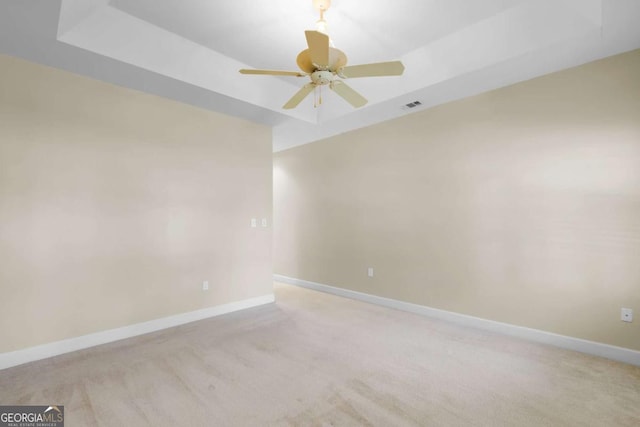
<point x="520" y="205"/>
<point x="118" y="207"/>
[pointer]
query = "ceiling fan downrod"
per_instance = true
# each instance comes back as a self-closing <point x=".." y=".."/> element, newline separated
<point x="321" y="6"/>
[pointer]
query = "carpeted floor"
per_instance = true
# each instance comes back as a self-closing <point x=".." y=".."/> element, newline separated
<point x="313" y="359"/>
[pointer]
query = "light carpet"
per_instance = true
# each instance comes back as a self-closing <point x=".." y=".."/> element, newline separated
<point x="314" y="359"/>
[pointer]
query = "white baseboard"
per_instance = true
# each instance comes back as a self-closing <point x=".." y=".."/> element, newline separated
<point x="619" y="354"/>
<point x="18" y="357"/>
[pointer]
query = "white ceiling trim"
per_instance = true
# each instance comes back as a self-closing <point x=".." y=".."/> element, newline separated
<point x="115" y="34"/>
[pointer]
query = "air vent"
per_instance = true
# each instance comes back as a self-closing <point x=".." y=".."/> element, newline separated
<point x="413" y="104"/>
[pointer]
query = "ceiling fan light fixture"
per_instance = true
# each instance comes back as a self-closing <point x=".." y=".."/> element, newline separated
<point x="321" y="26"/>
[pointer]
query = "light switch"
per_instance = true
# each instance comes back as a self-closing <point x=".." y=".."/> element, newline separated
<point x="264" y="222"/>
<point x="254" y="223"/>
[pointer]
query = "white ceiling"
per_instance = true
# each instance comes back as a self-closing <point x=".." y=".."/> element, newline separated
<point x="191" y="50"/>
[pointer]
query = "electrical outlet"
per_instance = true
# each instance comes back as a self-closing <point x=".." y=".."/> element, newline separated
<point x="264" y="222"/>
<point x="205" y="285"/>
<point x="626" y="315"/>
<point x="370" y="272"/>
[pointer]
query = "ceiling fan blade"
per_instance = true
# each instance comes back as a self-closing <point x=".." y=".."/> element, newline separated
<point x="304" y="62"/>
<point x="299" y="96"/>
<point x="273" y="72"/>
<point x="393" y="68"/>
<point x="349" y="95"/>
<point x="318" y="48"/>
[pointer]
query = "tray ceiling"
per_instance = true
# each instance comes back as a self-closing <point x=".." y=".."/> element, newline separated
<point x="191" y="50"/>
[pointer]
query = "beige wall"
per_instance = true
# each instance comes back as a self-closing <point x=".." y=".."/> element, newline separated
<point x="115" y="206"/>
<point x="520" y="205"/>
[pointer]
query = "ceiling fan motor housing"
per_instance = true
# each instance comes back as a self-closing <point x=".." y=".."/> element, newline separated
<point x="322" y="77"/>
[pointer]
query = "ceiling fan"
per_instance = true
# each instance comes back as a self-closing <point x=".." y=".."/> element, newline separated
<point x="326" y="65"/>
